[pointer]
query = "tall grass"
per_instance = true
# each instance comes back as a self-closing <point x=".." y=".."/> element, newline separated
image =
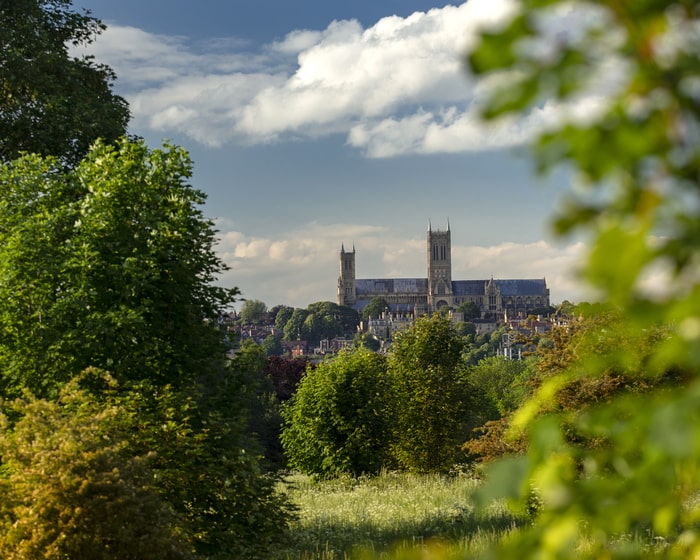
<point x="390" y="516"/>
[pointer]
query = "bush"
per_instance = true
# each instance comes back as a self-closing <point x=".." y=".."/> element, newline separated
<point x="71" y="488"/>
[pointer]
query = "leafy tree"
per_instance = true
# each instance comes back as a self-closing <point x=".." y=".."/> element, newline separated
<point x="207" y="463"/>
<point x="503" y="381"/>
<point x="313" y="328"/>
<point x="253" y="311"/>
<point x="433" y="410"/>
<point x="259" y="403"/>
<point x="272" y="314"/>
<point x="272" y="345"/>
<point x="335" y="320"/>
<point x="638" y="155"/>
<point x="53" y="103"/>
<point x="293" y="327"/>
<point x="367" y="340"/>
<point x="470" y="309"/>
<point x="338" y="420"/>
<point x="111" y="264"/>
<point x="467" y="330"/>
<point x="108" y="265"/>
<point x="376" y="306"/>
<point x="282" y="316"/>
<point x="72" y="489"/>
<point x="286" y="373"/>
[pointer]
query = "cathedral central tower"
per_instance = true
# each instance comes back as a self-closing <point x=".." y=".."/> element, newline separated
<point x="439" y="268"/>
<point x="346" y="280"/>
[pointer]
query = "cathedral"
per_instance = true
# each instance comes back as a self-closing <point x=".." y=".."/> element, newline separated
<point x="418" y="296"/>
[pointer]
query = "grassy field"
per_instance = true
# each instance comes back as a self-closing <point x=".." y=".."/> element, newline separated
<point x="390" y="516"/>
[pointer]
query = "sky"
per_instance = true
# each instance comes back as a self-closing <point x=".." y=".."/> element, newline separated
<point x="316" y="124"/>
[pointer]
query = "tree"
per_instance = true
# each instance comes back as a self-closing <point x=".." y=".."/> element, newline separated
<point x="638" y="156"/>
<point x="375" y="308"/>
<point x="283" y="315"/>
<point x="503" y="381"/>
<point x="286" y="374"/>
<point x="51" y="102"/>
<point x="207" y="461"/>
<point x="336" y="320"/>
<point x="367" y="340"/>
<point x="272" y="345"/>
<point x="253" y="311"/>
<point x="72" y="489"/>
<point x="470" y="309"/>
<point x="433" y="398"/>
<point x="338" y="421"/>
<point x="293" y="327"/>
<point x="109" y="265"/>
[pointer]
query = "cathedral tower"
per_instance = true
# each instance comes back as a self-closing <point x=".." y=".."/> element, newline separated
<point x="346" y="280"/>
<point x="439" y="268"/>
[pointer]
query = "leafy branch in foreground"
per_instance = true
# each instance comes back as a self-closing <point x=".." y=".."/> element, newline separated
<point x="637" y="153"/>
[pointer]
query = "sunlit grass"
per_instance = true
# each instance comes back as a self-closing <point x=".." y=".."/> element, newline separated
<point x="391" y="516"/>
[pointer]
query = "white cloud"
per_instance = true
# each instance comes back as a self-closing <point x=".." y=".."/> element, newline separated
<point x="301" y="266"/>
<point x="396" y="87"/>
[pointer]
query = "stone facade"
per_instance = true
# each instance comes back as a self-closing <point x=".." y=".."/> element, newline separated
<point x="418" y="296"/>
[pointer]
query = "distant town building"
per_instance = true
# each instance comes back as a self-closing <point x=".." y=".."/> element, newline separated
<point x="418" y="296"/>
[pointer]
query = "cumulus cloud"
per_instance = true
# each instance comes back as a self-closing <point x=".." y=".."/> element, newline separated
<point x="396" y="87"/>
<point x="302" y="266"/>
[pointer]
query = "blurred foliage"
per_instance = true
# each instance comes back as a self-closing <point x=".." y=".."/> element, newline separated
<point x="626" y="463"/>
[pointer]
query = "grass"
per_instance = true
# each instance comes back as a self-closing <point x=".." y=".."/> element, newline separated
<point x="390" y="516"/>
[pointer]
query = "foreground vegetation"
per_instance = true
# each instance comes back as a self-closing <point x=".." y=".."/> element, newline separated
<point x="123" y="425"/>
<point x="393" y="513"/>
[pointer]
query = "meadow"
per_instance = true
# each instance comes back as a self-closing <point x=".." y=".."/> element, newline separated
<point x="393" y="515"/>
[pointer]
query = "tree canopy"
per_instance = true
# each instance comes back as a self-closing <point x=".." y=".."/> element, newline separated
<point x="337" y="421"/>
<point x="433" y="413"/>
<point x="253" y="311"/>
<point x="110" y="265"/>
<point x="51" y="101"/>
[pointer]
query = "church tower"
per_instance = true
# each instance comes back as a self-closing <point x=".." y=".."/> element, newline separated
<point x="439" y="268"/>
<point x="346" y="280"/>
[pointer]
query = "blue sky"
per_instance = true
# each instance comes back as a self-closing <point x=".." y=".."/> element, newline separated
<point x="313" y="124"/>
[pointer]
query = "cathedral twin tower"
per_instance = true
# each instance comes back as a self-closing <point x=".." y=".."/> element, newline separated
<point x="419" y="296"/>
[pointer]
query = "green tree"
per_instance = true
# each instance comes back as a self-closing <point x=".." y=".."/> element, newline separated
<point x="253" y="312"/>
<point x="638" y="156"/>
<point x="51" y="102"/>
<point x="294" y="325"/>
<point x="71" y="488"/>
<point x="108" y="265"/>
<point x="312" y="329"/>
<point x="503" y="381"/>
<point x="283" y="315"/>
<point x="337" y="320"/>
<point x="338" y="421"/>
<point x="470" y="309"/>
<point x="433" y="398"/>
<point x="374" y="308"/>
<point x="272" y="345"/>
<point x="207" y="460"/>
<point x="369" y="341"/>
